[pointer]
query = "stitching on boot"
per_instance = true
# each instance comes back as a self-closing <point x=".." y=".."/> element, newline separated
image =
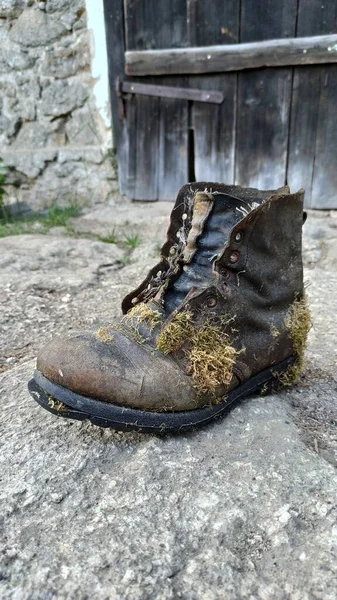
<point x="129" y="330"/>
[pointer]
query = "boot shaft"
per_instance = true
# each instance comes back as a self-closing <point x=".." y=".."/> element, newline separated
<point x="201" y="222"/>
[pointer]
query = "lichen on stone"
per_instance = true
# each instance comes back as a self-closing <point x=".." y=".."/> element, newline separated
<point x="298" y="323"/>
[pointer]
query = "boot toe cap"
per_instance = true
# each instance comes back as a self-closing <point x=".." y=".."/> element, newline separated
<point x="117" y="371"/>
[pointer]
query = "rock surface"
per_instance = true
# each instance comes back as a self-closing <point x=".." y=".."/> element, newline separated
<point x="244" y="509"/>
<point x="11" y="8"/>
<point x="47" y="101"/>
<point x="35" y="28"/>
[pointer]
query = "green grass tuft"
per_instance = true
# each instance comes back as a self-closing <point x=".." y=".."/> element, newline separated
<point x="132" y="241"/>
<point x="56" y="216"/>
<point x="111" y="238"/>
<point x="59" y="216"/>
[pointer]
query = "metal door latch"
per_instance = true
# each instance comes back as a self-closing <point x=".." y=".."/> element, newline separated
<point x="125" y="89"/>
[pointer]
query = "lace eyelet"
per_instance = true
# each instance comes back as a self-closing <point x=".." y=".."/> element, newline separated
<point x="211" y="302"/>
<point x="234" y="256"/>
<point x="225" y="273"/>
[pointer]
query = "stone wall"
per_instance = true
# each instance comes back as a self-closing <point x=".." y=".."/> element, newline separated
<point x="53" y="139"/>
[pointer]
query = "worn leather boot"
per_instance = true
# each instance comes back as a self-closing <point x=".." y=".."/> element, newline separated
<point x="221" y="316"/>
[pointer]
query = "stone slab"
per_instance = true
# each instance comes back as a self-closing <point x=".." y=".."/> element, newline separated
<point x="243" y="509"/>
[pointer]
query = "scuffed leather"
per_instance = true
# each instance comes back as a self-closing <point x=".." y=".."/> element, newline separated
<point x="186" y="193"/>
<point x="119" y="371"/>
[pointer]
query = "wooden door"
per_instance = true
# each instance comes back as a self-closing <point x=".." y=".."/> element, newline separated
<point x="277" y="121"/>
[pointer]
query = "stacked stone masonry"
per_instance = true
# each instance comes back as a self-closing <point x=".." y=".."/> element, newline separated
<point x="53" y="139"/>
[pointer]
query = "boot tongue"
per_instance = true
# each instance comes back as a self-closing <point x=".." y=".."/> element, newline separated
<point x="209" y="232"/>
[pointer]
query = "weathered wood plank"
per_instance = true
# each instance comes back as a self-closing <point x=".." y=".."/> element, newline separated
<point x="127" y="150"/>
<point x="173" y="148"/>
<point x="173" y="158"/>
<point x="173" y="142"/>
<point x="129" y="157"/>
<point x="214" y="132"/>
<point x="262" y="132"/>
<point x="114" y="26"/>
<point x="146" y="139"/>
<point x="155" y="24"/>
<point x="147" y="25"/>
<point x="236" y="57"/>
<point x="324" y="182"/>
<point x="312" y="162"/>
<point x="303" y="129"/>
<point x="264" y="99"/>
<point x="214" y="22"/>
<point x="161" y="131"/>
<point x="316" y="17"/>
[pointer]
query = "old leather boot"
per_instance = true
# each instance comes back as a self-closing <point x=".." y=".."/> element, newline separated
<point x="221" y="316"/>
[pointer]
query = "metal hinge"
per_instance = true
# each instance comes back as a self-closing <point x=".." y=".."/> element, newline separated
<point x="125" y="89"/>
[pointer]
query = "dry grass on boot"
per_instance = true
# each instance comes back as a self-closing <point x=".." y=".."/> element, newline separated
<point x="298" y="323"/>
<point x="175" y="333"/>
<point x="143" y="313"/>
<point x="128" y="325"/>
<point x="105" y="334"/>
<point x="56" y="404"/>
<point x="209" y="352"/>
<point x="211" y="358"/>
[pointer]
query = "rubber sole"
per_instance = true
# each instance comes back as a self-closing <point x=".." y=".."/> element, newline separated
<point x="63" y="402"/>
